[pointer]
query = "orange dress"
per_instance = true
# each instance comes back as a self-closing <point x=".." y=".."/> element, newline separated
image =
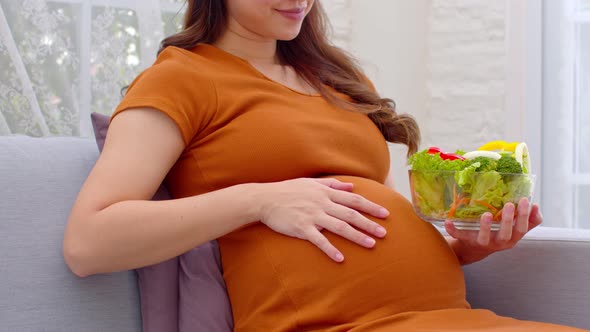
<point x="239" y="127"/>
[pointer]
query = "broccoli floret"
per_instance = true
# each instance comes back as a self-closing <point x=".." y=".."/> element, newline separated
<point x="485" y="164"/>
<point x="507" y="164"/>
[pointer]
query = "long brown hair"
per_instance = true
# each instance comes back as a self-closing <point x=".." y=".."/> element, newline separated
<point x="316" y="60"/>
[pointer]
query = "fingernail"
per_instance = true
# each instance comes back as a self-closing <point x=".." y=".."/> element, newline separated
<point x="369" y="242"/>
<point x="539" y="214"/>
<point x="380" y="231"/>
<point x="339" y="257"/>
<point x="383" y="212"/>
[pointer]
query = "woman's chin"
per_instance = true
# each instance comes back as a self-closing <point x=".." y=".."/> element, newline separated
<point x="288" y="35"/>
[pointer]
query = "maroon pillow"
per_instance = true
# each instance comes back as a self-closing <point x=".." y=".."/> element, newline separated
<point x="186" y="293"/>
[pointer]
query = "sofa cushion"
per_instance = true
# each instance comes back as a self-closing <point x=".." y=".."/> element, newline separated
<point x="544" y="278"/>
<point x="39" y="180"/>
<point x="158" y="283"/>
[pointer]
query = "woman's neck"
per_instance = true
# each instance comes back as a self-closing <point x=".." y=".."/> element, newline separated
<point x="247" y="45"/>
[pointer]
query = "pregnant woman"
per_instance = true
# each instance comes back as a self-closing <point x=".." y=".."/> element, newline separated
<point x="273" y="141"/>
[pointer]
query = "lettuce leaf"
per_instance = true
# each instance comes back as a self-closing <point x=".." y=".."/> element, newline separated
<point x="471" y="211"/>
<point x="424" y="161"/>
<point x="466" y="177"/>
<point x="429" y="188"/>
<point x="489" y="188"/>
<point x="517" y="187"/>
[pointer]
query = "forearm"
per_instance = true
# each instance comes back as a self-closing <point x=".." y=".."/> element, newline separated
<point x="131" y="234"/>
<point x="465" y="256"/>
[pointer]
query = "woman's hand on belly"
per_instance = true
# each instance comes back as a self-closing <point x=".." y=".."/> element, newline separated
<point x="301" y="208"/>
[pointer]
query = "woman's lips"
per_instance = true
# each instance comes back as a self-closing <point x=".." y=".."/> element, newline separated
<point x="293" y="14"/>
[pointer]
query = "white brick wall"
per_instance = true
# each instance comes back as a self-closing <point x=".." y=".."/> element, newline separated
<point x="467" y="66"/>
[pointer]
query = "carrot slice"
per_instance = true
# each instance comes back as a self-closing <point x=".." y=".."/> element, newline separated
<point x="498" y="215"/>
<point x="457" y="201"/>
<point x="486" y="204"/>
<point x="464" y="201"/>
<point x="453" y="210"/>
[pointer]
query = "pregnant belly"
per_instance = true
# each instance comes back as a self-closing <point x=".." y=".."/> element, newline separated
<point x="280" y="283"/>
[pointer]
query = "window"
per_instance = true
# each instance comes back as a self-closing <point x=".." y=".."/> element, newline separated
<point x="566" y="113"/>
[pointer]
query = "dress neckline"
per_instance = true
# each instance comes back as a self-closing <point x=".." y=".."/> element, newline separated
<point x="234" y="57"/>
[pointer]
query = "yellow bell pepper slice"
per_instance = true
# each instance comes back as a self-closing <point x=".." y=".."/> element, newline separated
<point x="499" y="146"/>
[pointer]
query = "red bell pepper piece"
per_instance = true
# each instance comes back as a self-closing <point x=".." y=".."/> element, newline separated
<point x="434" y="150"/>
<point x="444" y="156"/>
<point x="451" y="156"/>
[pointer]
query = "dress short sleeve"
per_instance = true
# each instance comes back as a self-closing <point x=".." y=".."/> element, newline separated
<point x="175" y="86"/>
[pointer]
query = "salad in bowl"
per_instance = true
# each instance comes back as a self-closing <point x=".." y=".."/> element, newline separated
<point x="461" y="186"/>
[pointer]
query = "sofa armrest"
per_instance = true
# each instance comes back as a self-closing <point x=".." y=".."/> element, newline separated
<point x="546" y="277"/>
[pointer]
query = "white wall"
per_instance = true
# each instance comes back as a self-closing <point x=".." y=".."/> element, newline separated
<point x="467" y="72"/>
<point x="389" y="37"/>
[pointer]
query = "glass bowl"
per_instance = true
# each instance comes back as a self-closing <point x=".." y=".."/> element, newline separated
<point x="463" y="198"/>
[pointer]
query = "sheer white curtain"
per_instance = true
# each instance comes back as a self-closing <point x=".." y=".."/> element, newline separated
<point x="62" y="59"/>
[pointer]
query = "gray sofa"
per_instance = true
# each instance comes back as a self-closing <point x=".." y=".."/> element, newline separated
<point x="546" y="278"/>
